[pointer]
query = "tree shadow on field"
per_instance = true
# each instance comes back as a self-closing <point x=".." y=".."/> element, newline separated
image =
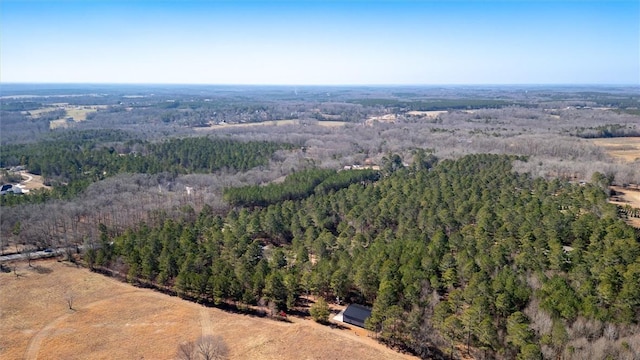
<point x="337" y="326"/>
<point x="41" y="269"/>
<point x="224" y="305"/>
<point x="5" y="269"/>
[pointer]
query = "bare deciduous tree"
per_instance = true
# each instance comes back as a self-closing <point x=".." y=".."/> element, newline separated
<point x="69" y="297"/>
<point x="212" y="348"/>
<point x="207" y="347"/>
<point x="187" y="351"/>
<point x="27" y="252"/>
<point x="14" y="267"/>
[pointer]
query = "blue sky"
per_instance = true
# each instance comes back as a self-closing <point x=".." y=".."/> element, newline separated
<point x="329" y="42"/>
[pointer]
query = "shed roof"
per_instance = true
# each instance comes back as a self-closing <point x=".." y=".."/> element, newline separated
<point x="356" y="311"/>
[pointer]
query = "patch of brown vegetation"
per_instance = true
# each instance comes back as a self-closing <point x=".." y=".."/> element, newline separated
<point x="430" y="114"/>
<point x="76" y="113"/>
<point x="388" y="118"/>
<point x="627" y="196"/>
<point x="117" y="321"/>
<point x="79" y="113"/>
<point x="623" y="148"/>
<point x="272" y="123"/>
<point x="38" y="112"/>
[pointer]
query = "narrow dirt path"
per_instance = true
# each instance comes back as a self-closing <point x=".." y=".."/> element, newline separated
<point x="36" y="341"/>
<point x="32" y="181"/>
<point x="34" y="344"/>
<point x="205" y="322"/>
<point x="28" y="179"/>
<point x="205" y="318"/>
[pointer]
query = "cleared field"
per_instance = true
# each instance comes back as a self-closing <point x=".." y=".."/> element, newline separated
<point x="430" y="114"/>
<point x="32" y="181"/>
<point x="79" y="113"/>
<point x="628" y="196"/>
<point x="272" y="123"/>
<point x="112" y="320"/>
<point x="624" y="148"/>
<point x="388" y="118"/>
<point x="37" y="112"/>
<point x="60" y="123"/>
<point x="73" y="113"/>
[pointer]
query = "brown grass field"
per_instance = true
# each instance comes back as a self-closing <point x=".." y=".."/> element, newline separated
<point x="77" y="112"/>
<point x="430" y="114"/>
<point x="270" y="123"/>
<point x="114" y="320"/>
<point x="623" y="148"/>
<point x="626" y="149"/>
<point x="628" y="196"/>
<point x="37" y="112"/>
<point x="388" y="118"/>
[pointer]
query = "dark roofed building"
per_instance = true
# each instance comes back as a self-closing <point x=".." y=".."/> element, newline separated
<point x="10" y="189"/>
<point x="356" y="314"/>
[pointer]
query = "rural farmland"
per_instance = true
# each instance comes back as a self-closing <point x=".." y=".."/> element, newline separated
<point x="114" y="320"/>
<point x="344" y="179"/>
<point x="473" y="222"/>
<point x="626" y="149"/>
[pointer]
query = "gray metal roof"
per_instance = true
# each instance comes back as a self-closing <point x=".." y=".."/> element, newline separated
<point x="356" y="311"/>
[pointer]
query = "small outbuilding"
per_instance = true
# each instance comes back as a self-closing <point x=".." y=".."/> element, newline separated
<point x="10" y="189"/>
<point x="356" y="314"/>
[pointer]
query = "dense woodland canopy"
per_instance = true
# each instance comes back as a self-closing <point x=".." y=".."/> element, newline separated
<point x="297" y="186"/>
<point x="476" y="234"/>
<point x="78" y="159"/>
<point x="467" y="252"/>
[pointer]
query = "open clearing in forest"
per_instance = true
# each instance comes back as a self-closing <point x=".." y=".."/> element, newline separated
<point x="118" y="321"/>
<point x="79" y="113"/>
<point x="627" y="196"/>
<point x="430" y="114"/>
<point x="388" y="118"/>
<point x="38" y="112"/>
<point x="623" y="148"/>
<point x="32" y="181"/>
<point x="74" y="113"/>
<point x="273" y="123"/>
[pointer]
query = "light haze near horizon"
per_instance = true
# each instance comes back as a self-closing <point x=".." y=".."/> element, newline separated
<point x="320" y="43"/>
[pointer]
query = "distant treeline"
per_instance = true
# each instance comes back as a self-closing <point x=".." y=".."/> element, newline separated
<point x="608" y="131"/>
<point x="434" y="105"/>
<point x="73" y="160"/>
<point x="19" y="105"/>
<point x="610" y="100"/>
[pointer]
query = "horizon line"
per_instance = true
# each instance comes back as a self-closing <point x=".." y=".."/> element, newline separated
<point x="315" y="85"/>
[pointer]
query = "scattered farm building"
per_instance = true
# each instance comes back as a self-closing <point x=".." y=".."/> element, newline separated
<point x="10" y="189"/>
<point x="356" y="315"/>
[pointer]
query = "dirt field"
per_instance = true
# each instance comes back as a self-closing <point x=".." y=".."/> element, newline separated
<point x="118" y="321"/>
<point x="627" y="196"/>
<point x="32" y="181"/>
<point x="624" y="148"/>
